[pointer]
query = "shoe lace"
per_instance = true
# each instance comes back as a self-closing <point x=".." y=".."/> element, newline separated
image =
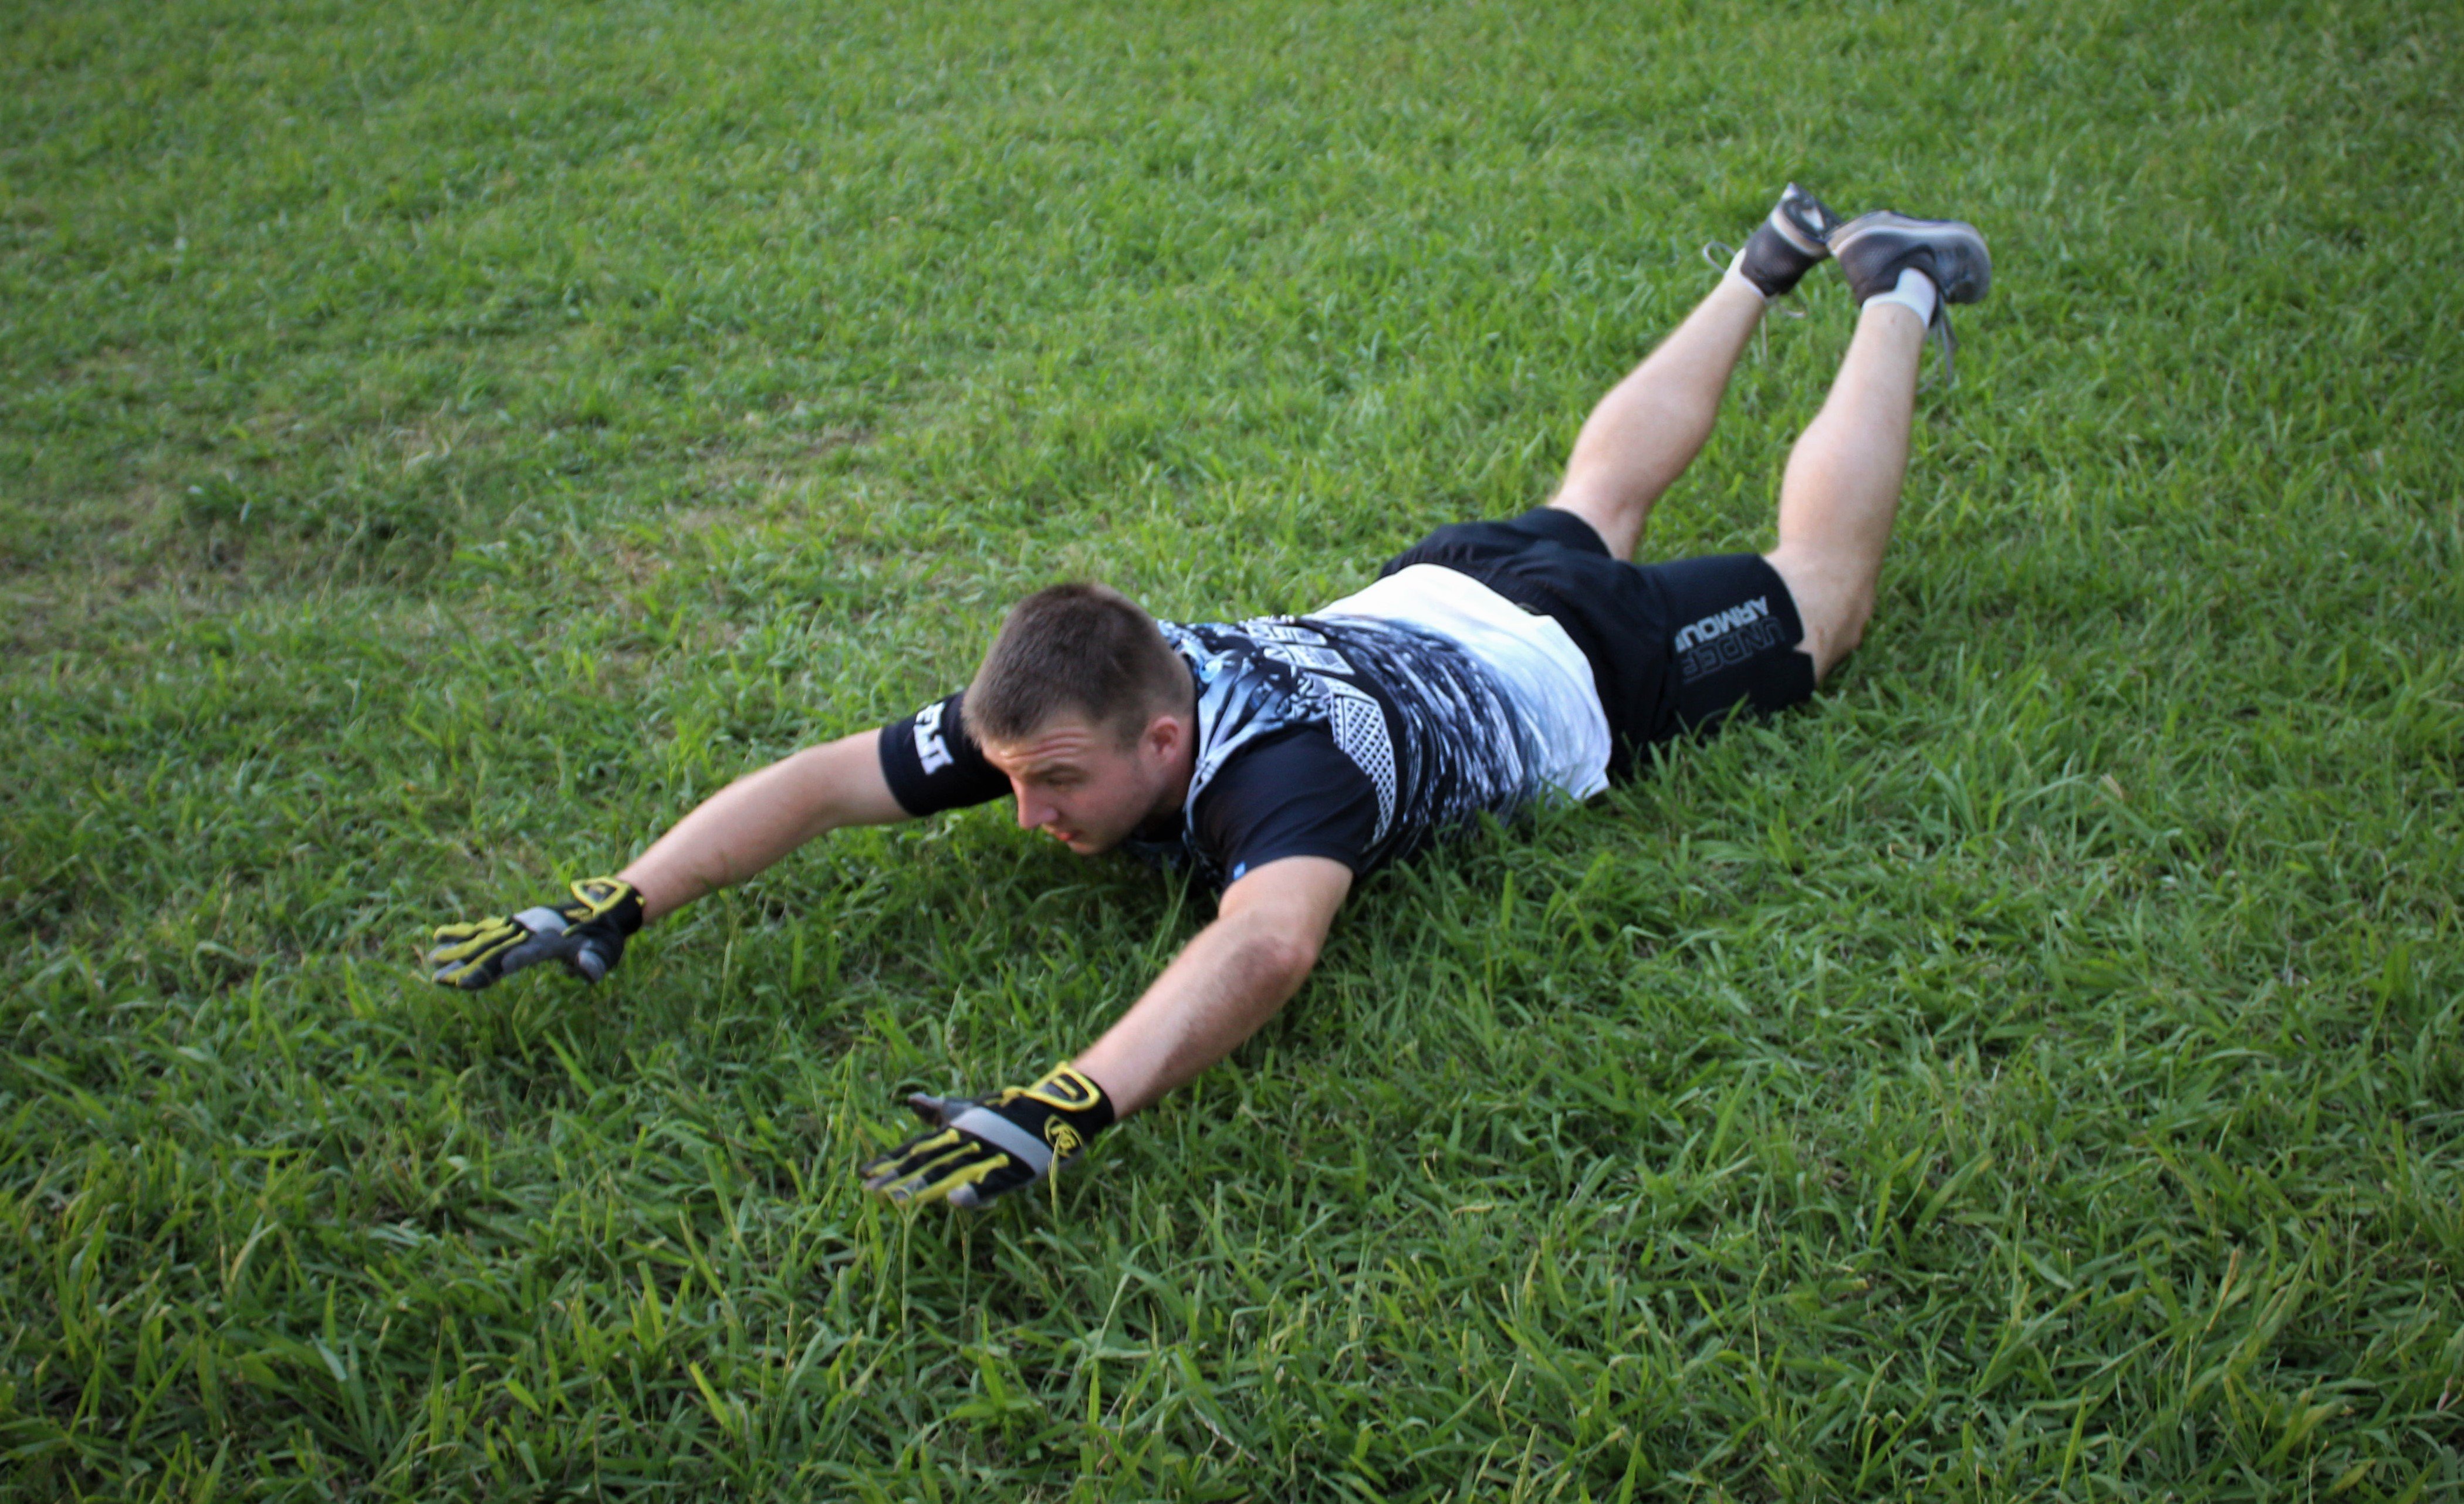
<point x="1938" y="334"/>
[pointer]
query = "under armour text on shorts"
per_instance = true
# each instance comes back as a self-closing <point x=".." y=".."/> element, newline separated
<point x="1674" y="646"/>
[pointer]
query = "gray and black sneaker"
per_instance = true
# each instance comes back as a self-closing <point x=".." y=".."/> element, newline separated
<point x="1873" y="249"/>
<point x="1791" y="242"/>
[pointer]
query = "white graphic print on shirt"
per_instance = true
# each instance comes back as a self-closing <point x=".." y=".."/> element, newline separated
<point x="1430" y="725"/>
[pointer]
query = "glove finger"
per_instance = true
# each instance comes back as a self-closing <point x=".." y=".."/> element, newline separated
<point x="930" y="1171"/>
<point x="903" y="1189"/>
<point x="882" y="1168"/>
<point x="995" y="1182"/>
<point x="536" y="949"/>
<point x="475" y="963"/>
<point x="467" y="977"/>
<point x="474" y="942"/>
<point x="935" y="1110"/>
<point x="957" y="1176"/>
<point x="591" y="961"/>
<point x="925" y="1169"/>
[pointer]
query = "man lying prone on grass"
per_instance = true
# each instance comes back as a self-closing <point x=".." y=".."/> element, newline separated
<point x="1492" y="664"/>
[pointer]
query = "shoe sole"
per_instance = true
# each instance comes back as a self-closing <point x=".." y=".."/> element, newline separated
<point x="1805" y="221"/>
<point x="1949" y="251"/>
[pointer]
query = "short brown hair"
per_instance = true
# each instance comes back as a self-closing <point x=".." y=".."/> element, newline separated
<point x="1082" y="648"/>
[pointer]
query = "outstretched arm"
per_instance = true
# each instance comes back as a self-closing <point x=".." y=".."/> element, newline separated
<point x="762" y="816"/>
<point x="1216" y="993"/>
<point x="1224" y="985"/>
<point x="735" y="834"/>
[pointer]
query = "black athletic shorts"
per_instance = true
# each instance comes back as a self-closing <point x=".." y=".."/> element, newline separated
<point x="1673" y="647"/>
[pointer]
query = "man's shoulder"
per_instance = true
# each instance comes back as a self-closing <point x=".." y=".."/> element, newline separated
<point x="1282" y="765"/>
<point x="1291" y="792"/>
<point x="1329" y="650"/>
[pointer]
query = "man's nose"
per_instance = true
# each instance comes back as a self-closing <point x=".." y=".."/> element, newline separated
<point x="1031" y="813"/>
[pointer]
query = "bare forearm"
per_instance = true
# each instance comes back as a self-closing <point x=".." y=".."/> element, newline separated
<point x="1228" y="981"/>
<point x="760" y="818"/>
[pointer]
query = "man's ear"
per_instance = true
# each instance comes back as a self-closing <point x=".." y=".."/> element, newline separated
<point x="1166" y="733"/>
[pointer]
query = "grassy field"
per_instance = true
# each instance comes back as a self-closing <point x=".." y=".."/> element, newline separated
<point x="438" y="444"/>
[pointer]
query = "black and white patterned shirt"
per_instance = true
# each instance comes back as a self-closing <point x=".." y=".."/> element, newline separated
<point x="1334" y="735"/>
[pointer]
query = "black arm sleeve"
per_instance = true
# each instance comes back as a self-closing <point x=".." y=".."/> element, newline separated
<point x="1295" y="795"/>
<point x="933" y="764"/>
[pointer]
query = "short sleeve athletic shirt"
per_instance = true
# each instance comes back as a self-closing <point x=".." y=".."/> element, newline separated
<point x="1356" y="733"/>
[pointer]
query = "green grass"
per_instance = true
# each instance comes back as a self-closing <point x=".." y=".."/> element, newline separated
<point x="439" y="444"/>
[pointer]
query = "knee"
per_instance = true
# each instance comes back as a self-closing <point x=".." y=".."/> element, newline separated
<point x="1845" y="631"/>
<point x="1832" y="605"/>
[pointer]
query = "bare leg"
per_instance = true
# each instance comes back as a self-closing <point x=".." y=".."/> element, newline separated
<point x="1650" y="427"/>
<point x="1842" y="486"/>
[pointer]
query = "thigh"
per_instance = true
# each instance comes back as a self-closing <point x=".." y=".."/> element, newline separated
<point x="1612" y="517"/>
<point x="1833" y="598"/>
<point x="1733" y="635"/>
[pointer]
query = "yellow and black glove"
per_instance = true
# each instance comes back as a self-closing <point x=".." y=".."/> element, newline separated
<point x="987" y="1148"/>
<point x="586" y="933"/>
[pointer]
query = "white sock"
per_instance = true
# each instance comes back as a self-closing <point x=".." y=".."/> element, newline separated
<point x="1915" y="293"/>
<point x="1736" y="275"/>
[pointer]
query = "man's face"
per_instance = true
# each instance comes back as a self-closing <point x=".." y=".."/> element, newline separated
<point x="1078" y="783"/>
